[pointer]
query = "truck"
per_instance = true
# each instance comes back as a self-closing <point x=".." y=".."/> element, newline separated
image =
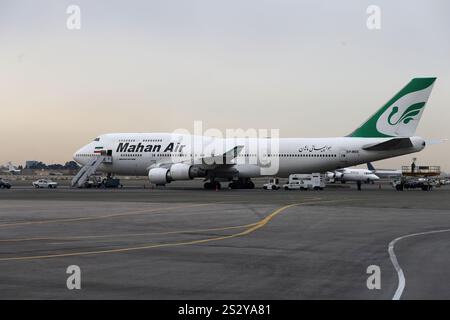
<point x="417" y="177"/>
<point x="313" y="181"/>
<point x="102" y="182"/>
<point x="426" y="184"/>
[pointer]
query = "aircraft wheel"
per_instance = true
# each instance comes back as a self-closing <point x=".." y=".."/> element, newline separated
<point x="212" y="185"/>
<point x="207" y="185"/>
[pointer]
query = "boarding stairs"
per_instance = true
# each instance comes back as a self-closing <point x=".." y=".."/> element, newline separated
<point x="89" y="169"/>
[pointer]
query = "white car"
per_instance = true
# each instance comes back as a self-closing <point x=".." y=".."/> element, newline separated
<point x="44" y="183"/>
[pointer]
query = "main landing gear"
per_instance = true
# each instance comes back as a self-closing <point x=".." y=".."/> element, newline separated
<point x="236" y="184"/>
<point x="214" y="185"/>
<point x="242" y="184"/>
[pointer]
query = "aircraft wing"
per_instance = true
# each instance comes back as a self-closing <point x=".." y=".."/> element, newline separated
<point x="222" y="159"/>
<point x="208" y="162"/>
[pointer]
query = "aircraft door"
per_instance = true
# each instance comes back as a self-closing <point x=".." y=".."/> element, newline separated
<point x="343" y="157"/>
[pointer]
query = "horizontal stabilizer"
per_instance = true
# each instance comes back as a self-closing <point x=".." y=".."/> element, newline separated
<point x="393" y="144"/>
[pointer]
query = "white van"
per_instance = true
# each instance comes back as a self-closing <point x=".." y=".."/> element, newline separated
<point x="314" y="181"/>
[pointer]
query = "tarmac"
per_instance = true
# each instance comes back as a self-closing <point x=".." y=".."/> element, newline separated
<point x="183" y="242"/>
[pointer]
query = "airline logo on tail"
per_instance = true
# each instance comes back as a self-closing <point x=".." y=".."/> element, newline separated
<point x="408" y="115"/>
<point x="400" y="116"/>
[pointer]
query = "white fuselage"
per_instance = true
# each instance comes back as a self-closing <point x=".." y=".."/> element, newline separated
<point x="136" y="153"/>
<point x="388" y="173"/>
<point x="354" y="174"/>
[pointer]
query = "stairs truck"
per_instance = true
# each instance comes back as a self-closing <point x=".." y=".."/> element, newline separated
<point x="81" y="179"/>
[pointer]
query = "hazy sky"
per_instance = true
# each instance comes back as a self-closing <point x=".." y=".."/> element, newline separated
<point x="309" y="68"/>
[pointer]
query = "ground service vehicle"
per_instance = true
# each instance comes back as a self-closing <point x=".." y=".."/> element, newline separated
<point x="273" y="184"/>
<point x="425" y="184"/>
<point x="314" y="181"/>
<point x="96" y="182"/>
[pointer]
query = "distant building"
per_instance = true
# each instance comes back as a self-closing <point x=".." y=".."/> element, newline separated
<point x="31" y="163"/>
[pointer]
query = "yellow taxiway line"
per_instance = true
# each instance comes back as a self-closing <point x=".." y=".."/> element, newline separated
<point x="250" y="230"/>
<point x="125" y="235"/>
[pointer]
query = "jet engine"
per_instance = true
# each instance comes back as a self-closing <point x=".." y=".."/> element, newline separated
<point x="330" y="175"/>
<point x="334" y="175"/>
<point x="159" y="176"/>
<point x="177" y="171"/>
<point x="181" y="171"/>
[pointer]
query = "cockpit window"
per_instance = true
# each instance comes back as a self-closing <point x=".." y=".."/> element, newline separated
<point x="97" y="139"/>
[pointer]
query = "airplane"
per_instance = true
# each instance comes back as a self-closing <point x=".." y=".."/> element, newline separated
<point x="364" y="175"/>
<point x="166" y="157"/>
<point x="10" y="168"/>
<point x="385" y="173"/>
<point x="352" y="174"/>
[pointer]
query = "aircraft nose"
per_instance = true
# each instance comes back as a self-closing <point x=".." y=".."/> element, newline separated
<point x="77" y="156"/>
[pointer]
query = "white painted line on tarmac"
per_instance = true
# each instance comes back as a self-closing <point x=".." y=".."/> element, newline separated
<point x="401" y="276"/>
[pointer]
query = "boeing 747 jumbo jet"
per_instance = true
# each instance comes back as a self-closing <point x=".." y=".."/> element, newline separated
<point x="166" y="157"/>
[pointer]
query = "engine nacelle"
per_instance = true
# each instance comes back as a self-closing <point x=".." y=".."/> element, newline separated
<point x="248" y="170"/>
<point x="181" y="171"/>
<point x="159" y="176"/>
<point x="331" y="175"/>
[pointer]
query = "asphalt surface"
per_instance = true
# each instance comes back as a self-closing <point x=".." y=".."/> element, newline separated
<point x="183" y="242"/>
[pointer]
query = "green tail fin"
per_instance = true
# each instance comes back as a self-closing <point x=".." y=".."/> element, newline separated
<point x="400" y="116"/>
